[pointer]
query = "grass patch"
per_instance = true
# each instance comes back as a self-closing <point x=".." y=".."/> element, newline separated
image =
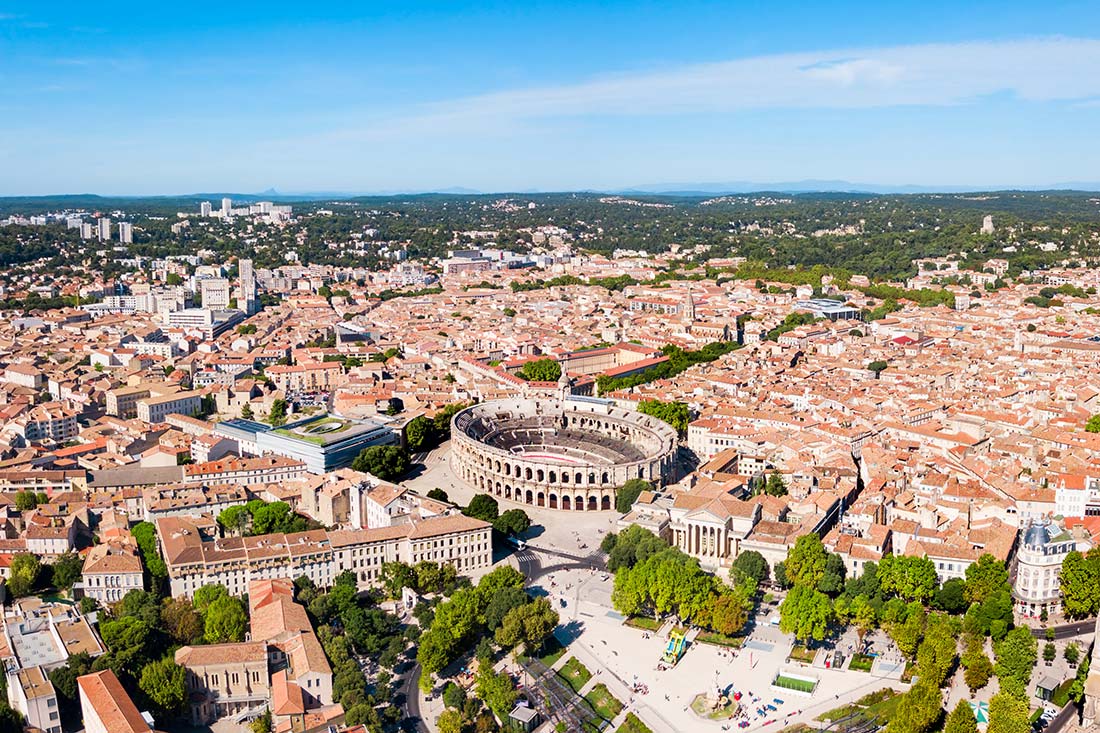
<point x="862" y="663"/>
<point x="1060" y="696"/>
<point x="575" y="674"/>
<point x="733" y="642"/>
<point x="551" y="652"/>
<point x="791" y="683"/>
<point x="801" y="653"/>
<point x="633" y="724"/>
<point x="603" y="702"/>
<point x="880" y="704"/>
<point x="644" y="622"/>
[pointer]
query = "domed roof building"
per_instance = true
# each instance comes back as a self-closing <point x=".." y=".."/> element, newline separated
<point x="1043" y="546"/>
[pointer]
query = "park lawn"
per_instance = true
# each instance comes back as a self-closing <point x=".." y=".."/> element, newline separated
<point x="644" y="622"/>
<point x="632" y="724"/>
<point x="710" y="637"/>
<point x="575" y="674"/>
<point x="801" y="653"/>
<point x="862" y="663"/>
<point x="603" y="702"/>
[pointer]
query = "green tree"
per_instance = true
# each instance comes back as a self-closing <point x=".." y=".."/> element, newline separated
<point x="676" y="414"/>
<point x="541" y="370"/>
<point x="1008" y="714"/>
<point x="1080" y="584"/>
<point x="234" y="519"/>
<point x="207" y="594"/>
<point x="439" y="495"/>
<point x="387" y="462"/>
<point x="512" y="522"/>
<point x="936" y="653"/>
<point x="246" y="412"/>
<point x="420" y="434"/>
<point x="863" y="616"/>
<point x="130" y="641"/>
<point x="145" y="534"/>
<point x="25" y="501"/>
<point x="806" y="561"/>
<point x="907" y="630"/>
<point x="775" y="485"/>
<point x="67" y="569"/>
<point x="225" y="620"/>
<point x="1072" y="653"/>
<point x="23" y="574"/>
<point x="918" y="710"/>
<point x="528" y="625"/>
<point x="496" y="690"/>
<point x="450" y="721"/>
<point x="1093" y="424"/>
<point x="805" y="612"/>
<point x="394" y="576"/>
<point x="951" y="596"/>
<point x="277" y="415"/>
<point x="911" y="578"/>
<point x="961" y="719"/>
<point x="628" y="493"/>
<point x="484" y="507"/>
<point x="181" y="621"/>
<point x="878" y="367"/>
<point x="984" y="578"/>
<point x="749" y="564"/>
<point x="978" y="668"/>
<point x="501" y="603"/>
<point x="1016" y="655"/>
<point x="262" y="724"/>
<point x="164" y="683"/>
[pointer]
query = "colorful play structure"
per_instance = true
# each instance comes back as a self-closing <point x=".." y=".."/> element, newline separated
<point x="677" y="643"/>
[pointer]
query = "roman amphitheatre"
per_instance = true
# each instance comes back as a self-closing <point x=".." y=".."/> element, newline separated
<point x="570" y="454"/>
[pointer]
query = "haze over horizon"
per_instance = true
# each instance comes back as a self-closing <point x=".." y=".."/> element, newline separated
<point x="128" y="99"/>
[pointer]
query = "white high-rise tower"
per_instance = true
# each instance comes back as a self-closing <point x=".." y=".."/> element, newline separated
<point x="248" y="287"/>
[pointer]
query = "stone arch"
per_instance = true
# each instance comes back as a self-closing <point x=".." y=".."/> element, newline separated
<point x="578" y="503"/>
<point x="507" y="491"/>
<point x="566" y="502"/>
<point x="553" y="477"/>
<point x="541" y="499"/>
<point x="605" y="503"/>
<point x="591" y="478"/>
<point x="553" y="501"/>
<point x="530" y="496"/>
<point x="540" y="476"/>
<point x="565" y="477"/>
<point x="604" y="479"/>
<point x="527" y="473"/>
<point x="592" y="506"/>
<point x="578" y="478"/>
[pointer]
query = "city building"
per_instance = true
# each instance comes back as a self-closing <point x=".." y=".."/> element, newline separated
<point x="31" y="693"/>
<point x="104" y="229"/>
<point x="249" y="303"/>
<point x="106" y="708"/>
<point x="125" y="232"/>
<point x="215" y="293"/>
<point x="1043" y="547"/>
<point x="155" y="409"/>
<point x="197" y="556"/>
<point x="111" y="570"/>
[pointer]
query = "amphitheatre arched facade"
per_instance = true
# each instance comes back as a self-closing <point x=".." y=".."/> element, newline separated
<point x="570" y="454"/>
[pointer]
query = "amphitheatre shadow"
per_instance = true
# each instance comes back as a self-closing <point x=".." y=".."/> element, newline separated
<point x="535" y="530"/>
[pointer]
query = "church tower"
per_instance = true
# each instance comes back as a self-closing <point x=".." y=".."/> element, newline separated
<point x="689" y="309"/>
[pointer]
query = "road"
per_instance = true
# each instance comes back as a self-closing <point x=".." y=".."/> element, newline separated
<point x="1066" y="631"/>
<point x="412" y="720"/>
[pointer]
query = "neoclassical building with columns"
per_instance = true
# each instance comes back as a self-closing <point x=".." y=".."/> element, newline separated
<point x="571" y="453"/>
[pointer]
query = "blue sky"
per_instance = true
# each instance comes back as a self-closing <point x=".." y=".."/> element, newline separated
<point x="143" y="98"/>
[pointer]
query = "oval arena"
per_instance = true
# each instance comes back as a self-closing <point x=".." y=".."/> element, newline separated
<point x="570" y="454"/>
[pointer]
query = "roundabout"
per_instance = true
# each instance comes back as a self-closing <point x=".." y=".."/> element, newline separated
<point x="570" y="454"/>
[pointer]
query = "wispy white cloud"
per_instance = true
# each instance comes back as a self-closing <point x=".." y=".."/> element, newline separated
<point x="1034" y="70"/>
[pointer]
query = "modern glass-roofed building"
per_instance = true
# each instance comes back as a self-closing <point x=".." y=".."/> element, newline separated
<point x="323" y="442"/>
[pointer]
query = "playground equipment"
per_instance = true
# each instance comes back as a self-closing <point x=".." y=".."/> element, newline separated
<point x="677" y="643"/>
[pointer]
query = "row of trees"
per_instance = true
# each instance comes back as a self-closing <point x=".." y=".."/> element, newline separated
<point x="653" y="579"/>
<point x="28" y="574"/>
<point x="498" y="608"/>
<point x="509" y="523"/>
<point x="424" y="433"/>
<point x="676" y="414"/>
<point x="679" y="360"/>
<point x="259" y="517"/>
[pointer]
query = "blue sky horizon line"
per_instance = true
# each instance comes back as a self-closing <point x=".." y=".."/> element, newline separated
<point x="551" y="97"/>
